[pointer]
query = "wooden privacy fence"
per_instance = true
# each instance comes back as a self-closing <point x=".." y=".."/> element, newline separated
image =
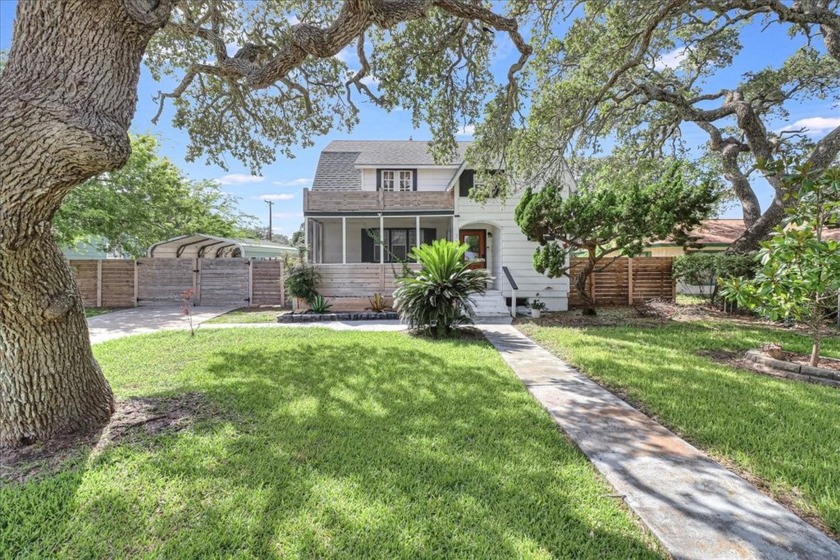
<point x="161" y="281"/>
<point x="625" y="281"/>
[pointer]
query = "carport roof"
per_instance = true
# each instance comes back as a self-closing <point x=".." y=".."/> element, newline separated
<point x="211" y="246"/>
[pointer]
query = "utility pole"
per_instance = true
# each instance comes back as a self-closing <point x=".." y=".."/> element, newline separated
<point x="270" y="210"/>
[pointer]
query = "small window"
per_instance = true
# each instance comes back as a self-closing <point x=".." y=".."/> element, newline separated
<point x="406" y="181"/>
<point x="388" y="180"/>
<point x="399" y="238"/>
<point x="400" y="180"/>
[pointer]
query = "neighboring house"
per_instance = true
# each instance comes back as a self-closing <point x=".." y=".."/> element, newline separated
<point x="713" y="236"/>
<point x="86" y="249"/>
<point x="372" y="201"/>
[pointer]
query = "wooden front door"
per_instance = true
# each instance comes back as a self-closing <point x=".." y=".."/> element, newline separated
<point x="476" y="240"/>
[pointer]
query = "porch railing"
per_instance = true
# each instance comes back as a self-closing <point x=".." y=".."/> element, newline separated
<point x="513" y="288"/>
<point x="359" y="280"/>
<point x="367" y="201"/>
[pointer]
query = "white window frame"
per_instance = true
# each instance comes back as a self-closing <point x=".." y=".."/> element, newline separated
<point x="406" y="180"/>
<point x="396" y="180"/>
<point x="389" y="180"/>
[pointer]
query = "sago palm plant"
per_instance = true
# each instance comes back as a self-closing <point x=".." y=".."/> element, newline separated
<point x="437" y="299"/>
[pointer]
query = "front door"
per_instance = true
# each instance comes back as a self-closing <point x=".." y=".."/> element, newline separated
<point x="476" y="240"/>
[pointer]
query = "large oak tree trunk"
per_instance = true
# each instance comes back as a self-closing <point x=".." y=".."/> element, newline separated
<point x="67" y="96"/>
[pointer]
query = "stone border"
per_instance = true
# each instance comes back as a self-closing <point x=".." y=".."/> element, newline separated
<point x="329" y="317"/>
<point x="792" y="367"/>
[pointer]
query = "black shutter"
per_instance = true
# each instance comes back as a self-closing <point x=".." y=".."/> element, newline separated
<point x="429" y="235"/>
<point x="367" y="247"/>
<point x="465" y="182"/>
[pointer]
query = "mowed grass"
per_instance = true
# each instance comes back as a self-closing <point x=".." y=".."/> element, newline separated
<point x="786" y="433"/>
<point x="325" y="445"/>
<point x="246" y="315"/>
<point x="96" y="311"/>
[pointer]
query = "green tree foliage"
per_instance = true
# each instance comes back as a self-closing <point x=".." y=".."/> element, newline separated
<point x="146" y="201"/>
<point x="706" y="269"/>
<point x="437" y="299"/>
<point x="635" y="73"/>
<point x="799" y="275"/>
<point x="612" y="212"/>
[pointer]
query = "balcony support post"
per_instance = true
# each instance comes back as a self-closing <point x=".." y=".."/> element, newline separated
<point x="417" y="239"/>
<point x="344" y="240"/>
<point x="381" y="239"/>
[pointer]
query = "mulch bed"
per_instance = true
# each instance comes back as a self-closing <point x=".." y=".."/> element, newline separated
<point x="738" y="360"/>
<point x="133" y="418"/>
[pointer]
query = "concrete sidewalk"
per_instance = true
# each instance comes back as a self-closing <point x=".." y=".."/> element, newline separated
<point x="694" y="506"/>
<point x="386" y="326"/>
<point x="143" y="320"/>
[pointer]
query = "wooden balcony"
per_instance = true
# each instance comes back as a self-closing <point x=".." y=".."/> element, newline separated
<point x="377" y="201"/>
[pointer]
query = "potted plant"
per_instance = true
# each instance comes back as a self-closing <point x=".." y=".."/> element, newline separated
<point x="301" y="283"/>
<point x="537" y="307"/>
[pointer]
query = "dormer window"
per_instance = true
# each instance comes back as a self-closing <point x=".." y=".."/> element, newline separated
<point x="399" y="180"/>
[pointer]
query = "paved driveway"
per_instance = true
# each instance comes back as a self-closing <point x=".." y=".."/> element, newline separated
<point x="142" y="320"/>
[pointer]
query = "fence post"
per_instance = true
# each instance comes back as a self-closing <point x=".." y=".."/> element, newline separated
<point x="99" y="283"/>
<point x="250" y="282"/>
<point x="282" y="284"/>
<point x="136" y="283"/>
<point x="629" y="281"/>
<point x="673" y="282"/>
<point x="197" y="279"/>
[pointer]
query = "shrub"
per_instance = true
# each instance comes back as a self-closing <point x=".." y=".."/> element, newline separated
<point x="319" y="305"/>
<point x="437" y="299"/>
<point x="705" y="269"/>
<point x="302" y="281"/>
<point x="378" y="303"/>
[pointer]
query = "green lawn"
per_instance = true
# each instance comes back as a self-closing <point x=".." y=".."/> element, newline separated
<point x="94" y="311"/>
<point x="786" y="433"/>
<point x="246" y="315"/>
<point x="325" y="445"/>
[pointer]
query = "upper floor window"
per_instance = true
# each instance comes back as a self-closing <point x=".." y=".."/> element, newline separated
<point x="398" y="180"/>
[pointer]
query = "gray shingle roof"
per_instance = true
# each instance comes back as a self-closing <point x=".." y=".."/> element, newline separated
<point x="335" y="172"/>
<point x="336" y="167"/>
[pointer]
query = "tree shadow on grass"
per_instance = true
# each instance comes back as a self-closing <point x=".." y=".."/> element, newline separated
<point x="337" y="449"/>
<point x="782" y="433"/>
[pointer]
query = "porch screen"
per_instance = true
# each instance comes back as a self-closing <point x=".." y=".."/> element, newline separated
<point x="397" y="242"/>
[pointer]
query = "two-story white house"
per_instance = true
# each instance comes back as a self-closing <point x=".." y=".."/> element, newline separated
<point x="372" y="201"/>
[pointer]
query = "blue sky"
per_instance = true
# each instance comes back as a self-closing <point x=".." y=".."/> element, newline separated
<point x="284" y="180"/>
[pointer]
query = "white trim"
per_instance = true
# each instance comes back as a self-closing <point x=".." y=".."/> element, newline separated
<point x="344" y="240"/>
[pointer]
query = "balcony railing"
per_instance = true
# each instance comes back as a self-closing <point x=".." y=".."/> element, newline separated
<point x="376" y="201"/>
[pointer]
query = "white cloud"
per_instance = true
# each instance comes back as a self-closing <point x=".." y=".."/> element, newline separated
<point x="344" y="54"/>
<point x="467" y="130"/>
<point x="292" y="19"/>
<point x="672" y="59"/>
<point x="814" y="125"/>
<point x="276" y="197"/>
<point x="288" y="215"/>
<point x="370" y="81"/>
<point x="240" y="179"/>
<point x="299" y="182"/>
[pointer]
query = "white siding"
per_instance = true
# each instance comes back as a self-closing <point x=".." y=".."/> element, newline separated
<point x="428" y="179"/>
<point x="516" y="251"/>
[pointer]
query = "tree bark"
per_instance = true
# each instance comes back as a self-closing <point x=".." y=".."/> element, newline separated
<point x="581" y="286"/>
<point x="67" y="96"/>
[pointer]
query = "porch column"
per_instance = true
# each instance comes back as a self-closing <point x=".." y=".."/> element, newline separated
<point x="306" y="238"/>
<point x="454" y="230"/>
<point x="381" y="239"/>
<point x="343" y="240"/>
<point x="417" y="239"/>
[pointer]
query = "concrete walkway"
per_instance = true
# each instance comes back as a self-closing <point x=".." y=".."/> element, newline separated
<point x="697" y="508"/>
<point x="388" y="326"/>
<point x="143" y="320"/>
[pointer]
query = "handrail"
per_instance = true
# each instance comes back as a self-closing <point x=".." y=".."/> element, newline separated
<point x="513" y="288"/>
<point x="509" y="277"/>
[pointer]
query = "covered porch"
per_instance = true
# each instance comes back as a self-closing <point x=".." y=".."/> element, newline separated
<point x="372" y="239"/>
